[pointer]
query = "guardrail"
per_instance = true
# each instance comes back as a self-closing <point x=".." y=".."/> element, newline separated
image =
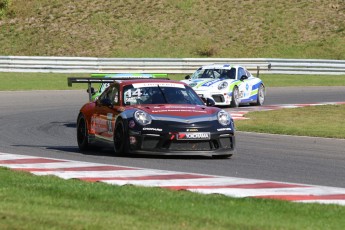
<point x="165" y="65"/>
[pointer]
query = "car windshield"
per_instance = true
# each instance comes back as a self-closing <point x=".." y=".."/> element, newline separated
<point x="215" y="73"/>
<point x="159" y="93"/>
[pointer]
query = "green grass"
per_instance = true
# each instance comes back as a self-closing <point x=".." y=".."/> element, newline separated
<point x="316" y="121"/>
<point x="284" y="80"/>
<point x="37" y="81"/>
<point x="45" y="81"/>
<point x="46" y="202"/>
<point x="174" y="28"/>
<point x="55" y="81"/>
<point x="169" y="28"/>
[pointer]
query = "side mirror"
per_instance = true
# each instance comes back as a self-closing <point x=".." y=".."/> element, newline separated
<point x="92" y="90"/>
<point x="187" y="77"/>
<point x="210" y="102"/>
<point x="243" y="77"/>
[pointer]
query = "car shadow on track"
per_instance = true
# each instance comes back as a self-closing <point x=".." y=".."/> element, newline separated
<point x="108" y="152"/>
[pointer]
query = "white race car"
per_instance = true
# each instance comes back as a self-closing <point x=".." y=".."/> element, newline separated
<point x="227" y="85"/>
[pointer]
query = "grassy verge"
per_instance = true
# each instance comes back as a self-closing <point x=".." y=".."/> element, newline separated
<point x="318" y="121"/>
<point x="32" y="202"/>
<point x="55" y="81"/>
<point x="45" y="81"/>
<point x="181" y="28"/>
<point x="37" y="81"/>
<point x="283" y="80"/>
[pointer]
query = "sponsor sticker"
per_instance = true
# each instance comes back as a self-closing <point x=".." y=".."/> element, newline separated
<point x="193" y="136"/>
<point x="153" y="129"/>
<point x="209" y="83"/>
<point x="109" y="116"/>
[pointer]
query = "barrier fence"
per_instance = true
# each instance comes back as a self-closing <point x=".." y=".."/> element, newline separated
<point x="42" y="64"/>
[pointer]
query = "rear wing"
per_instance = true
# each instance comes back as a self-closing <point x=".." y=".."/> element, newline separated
<point x="132" y="75"/>
<point x="90" y="80"/>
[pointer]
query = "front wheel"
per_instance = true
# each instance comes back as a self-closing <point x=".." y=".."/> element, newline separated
<point x="82" y="133"/>
<point x="235" y="99"/>
<point x="120" y="138"/>
<point x="261" y="96"/>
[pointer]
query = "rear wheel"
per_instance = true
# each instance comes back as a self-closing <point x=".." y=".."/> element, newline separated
<point x="82" y="133"/>
<point x="120" y="138"/>
<point x="235" y="99"/>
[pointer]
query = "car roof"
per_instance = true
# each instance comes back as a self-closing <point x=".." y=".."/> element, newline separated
<point x="150" y="80"/>
<point x="219" y="66"/>
<point x="128" y="75"/>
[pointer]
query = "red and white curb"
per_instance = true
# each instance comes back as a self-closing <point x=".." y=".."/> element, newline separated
<point x="200" y="183"/>
<point x="239" y="113"/>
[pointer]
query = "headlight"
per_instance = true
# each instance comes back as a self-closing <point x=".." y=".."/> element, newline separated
<point x="142" y="118"/>
<point x="222" y="85"/>
<point x="224" y="118"/>
<point x="193" y="84"/>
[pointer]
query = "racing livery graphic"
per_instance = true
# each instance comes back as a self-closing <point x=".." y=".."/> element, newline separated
<point x="154" y="116"/>
<point x="227" y="85"/>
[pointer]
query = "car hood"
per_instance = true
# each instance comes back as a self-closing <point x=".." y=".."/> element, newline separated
<point x="178" y="110"/>
<point x="206" y="83"/>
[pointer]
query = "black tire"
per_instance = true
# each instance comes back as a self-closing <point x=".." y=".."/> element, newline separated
<point x="222" y="156"/>
<point x="120" y="139"/>
<point x="82" y="133"/>
<point x="235" y="99"/>
<point x="261" y="96"/>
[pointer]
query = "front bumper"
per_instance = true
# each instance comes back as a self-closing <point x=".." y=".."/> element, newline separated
<point x="218" y="97"/>
<point x="165" y="144"/>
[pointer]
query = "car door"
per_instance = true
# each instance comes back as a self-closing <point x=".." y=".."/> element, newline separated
<point x="105" y="113"/>
<point x="245" y="86"/>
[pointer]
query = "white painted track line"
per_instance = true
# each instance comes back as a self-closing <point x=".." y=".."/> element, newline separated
<point x="200" y="183"/>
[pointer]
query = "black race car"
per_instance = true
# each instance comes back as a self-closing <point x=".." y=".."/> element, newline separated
<point x="154" y="116"/>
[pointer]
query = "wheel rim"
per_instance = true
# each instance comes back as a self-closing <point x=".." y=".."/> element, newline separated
<point x="81" y="133"/>
<point x="261" y="95"/>
<point x="236" y="97"/>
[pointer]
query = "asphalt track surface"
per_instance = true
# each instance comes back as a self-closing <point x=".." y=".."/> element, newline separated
<point x="42" y="123"/>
